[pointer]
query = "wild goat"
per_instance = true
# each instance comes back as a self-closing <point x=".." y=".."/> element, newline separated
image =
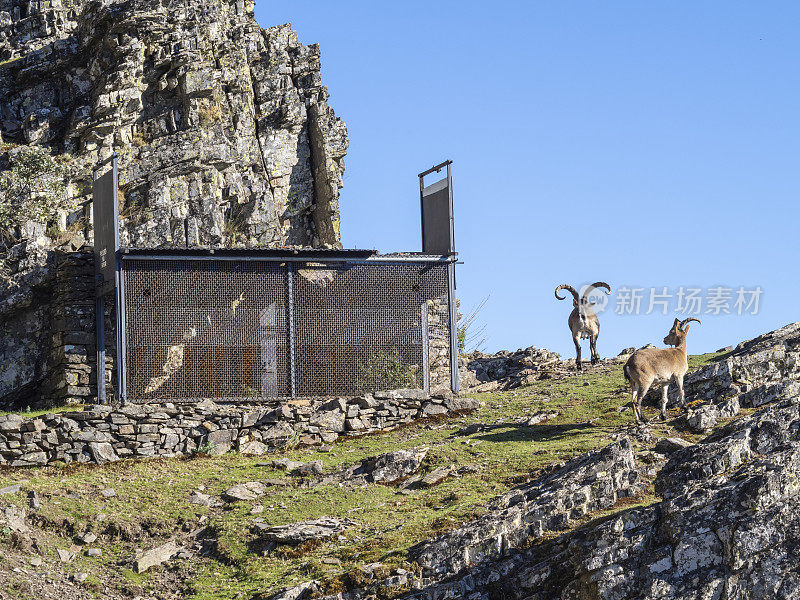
<point x="651" y="366"/>
<point x="583" y="323"/>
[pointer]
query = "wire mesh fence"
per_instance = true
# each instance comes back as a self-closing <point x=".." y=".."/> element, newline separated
<point x="238" y="330"/>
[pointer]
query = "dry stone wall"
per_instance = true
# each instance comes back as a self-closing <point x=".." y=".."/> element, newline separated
<point x="101" y="434"/>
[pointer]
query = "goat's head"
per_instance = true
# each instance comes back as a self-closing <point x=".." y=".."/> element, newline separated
<point x="582" y="300"/>
<point x="678" y="331"/>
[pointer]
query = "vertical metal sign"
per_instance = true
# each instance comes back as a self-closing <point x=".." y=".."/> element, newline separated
<point x="438" y="237"/>
<point x="105" y="211"/>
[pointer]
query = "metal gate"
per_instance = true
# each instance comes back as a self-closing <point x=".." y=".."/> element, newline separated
<point x="240" y="328"/>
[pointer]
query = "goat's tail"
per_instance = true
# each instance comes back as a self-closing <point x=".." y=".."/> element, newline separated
<point x="625" y="372"/>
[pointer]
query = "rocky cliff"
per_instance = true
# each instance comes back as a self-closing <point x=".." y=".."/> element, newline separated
<point x="223" y="131"/>
<point x="726" y="527"/>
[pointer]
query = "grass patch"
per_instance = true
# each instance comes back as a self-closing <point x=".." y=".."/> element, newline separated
<point x="29" y="414"/>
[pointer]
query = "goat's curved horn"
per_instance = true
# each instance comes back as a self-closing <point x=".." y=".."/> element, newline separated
<point x="597" y="284"/>
<point x="685" y="322"/>
<point x="569" y="288"/>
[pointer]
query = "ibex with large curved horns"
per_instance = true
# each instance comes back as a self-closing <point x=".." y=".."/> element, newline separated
<point x="583" y="323"/>
<point x="654" y="366"/>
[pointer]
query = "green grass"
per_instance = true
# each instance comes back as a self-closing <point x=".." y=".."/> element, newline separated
<point x="30" y="414"/>
<point x="152" y="495"/>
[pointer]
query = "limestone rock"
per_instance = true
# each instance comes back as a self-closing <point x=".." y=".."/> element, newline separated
<point x="253" y="448"/>
<point x="669" y="445"/>
<point x="727" y="528"/>
<point x="201" y="499"/>
<point x="245" y="491"/>
<point x="296" y="533"/>
<point x="393" y="466"/>
<point x="702" y="418"/>
<point x="156" y="556"/>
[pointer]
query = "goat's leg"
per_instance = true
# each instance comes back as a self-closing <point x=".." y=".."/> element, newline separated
<point x="635" y="395"/>
<point x="593" y="349"/>
<point x="639" y="398"/>
<point x="577" y="340"/>
<point x="664" y="398"/>
<point x="679" y="382"/>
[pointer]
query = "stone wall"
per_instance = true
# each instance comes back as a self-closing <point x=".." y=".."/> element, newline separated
<point x="101" y="434"/>
<point x="223" y="131"/>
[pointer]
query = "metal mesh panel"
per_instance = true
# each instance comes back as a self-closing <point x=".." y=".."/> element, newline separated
<point x="362" y="327"/>
<point x="257" y="329"/>
<point x="206" y="329"/>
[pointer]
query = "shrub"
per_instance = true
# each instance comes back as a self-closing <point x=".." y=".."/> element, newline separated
<point x="385" y="369"/>
<point x="32" y="190"/>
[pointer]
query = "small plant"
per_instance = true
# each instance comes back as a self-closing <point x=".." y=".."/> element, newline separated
<point x="386" y="370"/>
<point x="54" y="231"/>
<point x="210" y="114"/>
<point x="206" y="449"/>
<point x="32" y="190"/>
<point x="470" y="335"/>
<point x="138" y="140"/>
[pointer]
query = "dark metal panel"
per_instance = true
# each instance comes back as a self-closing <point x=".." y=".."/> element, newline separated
<point x="436" y="202"/>
<point x="106" y="234"/>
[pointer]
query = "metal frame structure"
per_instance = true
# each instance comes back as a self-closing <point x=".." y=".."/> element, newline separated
<point x="424" y="192"/>
<point x="300" y="345"/>
<point x="108" y="249"/>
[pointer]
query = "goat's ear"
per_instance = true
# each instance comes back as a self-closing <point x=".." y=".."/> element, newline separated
<point x="675" y="324"/>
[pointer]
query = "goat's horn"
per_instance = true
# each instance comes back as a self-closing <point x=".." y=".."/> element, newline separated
<point x="689" y="320"/>
<point x="597" y="284"/>
<point x="569" y="288"/>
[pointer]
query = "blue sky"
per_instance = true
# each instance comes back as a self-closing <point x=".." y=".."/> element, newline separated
<point x="644" y="144"/>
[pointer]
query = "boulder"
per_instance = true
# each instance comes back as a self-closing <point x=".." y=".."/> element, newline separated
<point x="669" y="445"/>
<point x="303" y="531"/>
<point x="245" y="491"/>
<point x="156" y="556"/>
<point x="393" y="466"/>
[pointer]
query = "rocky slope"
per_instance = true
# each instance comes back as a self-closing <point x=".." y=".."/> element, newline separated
<point x="223" y="131"/>
<point x="727" y="527"/>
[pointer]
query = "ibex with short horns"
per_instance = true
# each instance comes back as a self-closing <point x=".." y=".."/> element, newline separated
<point x="654" y="366"/>
<point x="583" y="322"/>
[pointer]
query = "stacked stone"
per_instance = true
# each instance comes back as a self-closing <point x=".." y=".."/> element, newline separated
<point x="72" y="360"/>
<point x="509" y="369"/>
<point x="439" y="343"/>
<point x="101" y="433"/>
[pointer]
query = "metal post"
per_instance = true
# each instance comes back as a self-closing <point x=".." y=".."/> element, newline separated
<point x="100" y="340"/>
<point x="426" y="364"/>
<point x="119" y="294"/>
<point x="451" y="299"/>
<point x="100" y="335"/>
<point x="292" y="378"/>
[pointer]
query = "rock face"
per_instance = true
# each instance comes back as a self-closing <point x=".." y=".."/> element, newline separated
<point x="586" y="484"/>
<point x="506" y="370"/>
<point x="755" y="373"/>
<point x="727" y="528"/>
<point x="223" y="132"/>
